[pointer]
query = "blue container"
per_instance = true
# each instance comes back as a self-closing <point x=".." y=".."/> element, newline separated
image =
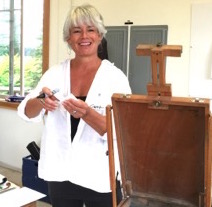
<point x="30" y="177"/>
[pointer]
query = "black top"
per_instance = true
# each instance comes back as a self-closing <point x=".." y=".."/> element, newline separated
<point x="75" y="121"/>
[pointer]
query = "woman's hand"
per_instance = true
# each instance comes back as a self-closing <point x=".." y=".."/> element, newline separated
<point x="49" y="102"/>
<point x="76" y="107"/>
<point x="35" y="105"/>
<point x="80" y="109"/>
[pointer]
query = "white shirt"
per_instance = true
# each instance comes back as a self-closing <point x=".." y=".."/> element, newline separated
<point x="83" y="161"/>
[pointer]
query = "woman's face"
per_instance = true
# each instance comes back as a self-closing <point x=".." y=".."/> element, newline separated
<point x="84" y="40"/>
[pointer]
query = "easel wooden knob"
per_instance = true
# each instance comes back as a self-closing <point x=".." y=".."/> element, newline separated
<point x="158" y="55"/>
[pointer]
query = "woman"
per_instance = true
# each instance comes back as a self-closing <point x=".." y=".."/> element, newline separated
<point x="73" y="155"/>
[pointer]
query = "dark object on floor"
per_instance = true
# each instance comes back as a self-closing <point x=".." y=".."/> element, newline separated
<point x="34" y="150"/>
<point x="30" y="177"/>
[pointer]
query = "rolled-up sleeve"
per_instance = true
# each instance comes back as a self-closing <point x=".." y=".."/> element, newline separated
<point x="21" y="111"/>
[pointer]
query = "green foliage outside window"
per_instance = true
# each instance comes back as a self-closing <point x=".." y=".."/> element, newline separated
<point x="32" y="69"/>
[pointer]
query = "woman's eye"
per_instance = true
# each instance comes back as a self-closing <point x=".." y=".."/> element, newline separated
<point x="91" y="29"/>
<point x="76" y="31"/>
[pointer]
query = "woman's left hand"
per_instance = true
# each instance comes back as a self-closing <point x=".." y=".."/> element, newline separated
<point x="79" y="109"/>
<point x="76" y="107"/>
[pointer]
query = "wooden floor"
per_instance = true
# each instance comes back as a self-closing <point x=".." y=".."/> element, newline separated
<point x="16" y="177"/>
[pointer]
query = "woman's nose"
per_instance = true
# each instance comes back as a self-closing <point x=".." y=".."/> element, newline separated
<point x="84" y="33"/>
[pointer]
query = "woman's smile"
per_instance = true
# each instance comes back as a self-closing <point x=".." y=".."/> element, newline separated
<point x="85" y="43"/>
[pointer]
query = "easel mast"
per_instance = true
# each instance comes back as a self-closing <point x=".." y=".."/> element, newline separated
<point x="158" y="54"/>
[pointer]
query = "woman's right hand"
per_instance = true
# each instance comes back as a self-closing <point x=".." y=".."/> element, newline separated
<point x="35" y="105"/>
<point x="49" y="102"/>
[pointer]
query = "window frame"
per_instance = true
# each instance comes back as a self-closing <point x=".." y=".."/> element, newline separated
<point x="46" y="23"/>
<point x="45" y="49"/>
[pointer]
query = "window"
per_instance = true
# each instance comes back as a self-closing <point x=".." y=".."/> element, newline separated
<point x="24" y="28"/>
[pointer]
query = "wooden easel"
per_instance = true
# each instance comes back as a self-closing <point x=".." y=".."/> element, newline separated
<point x="158" y="54"/>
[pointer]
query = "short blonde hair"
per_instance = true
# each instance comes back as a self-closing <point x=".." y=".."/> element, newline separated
<point x="84" y="14"/>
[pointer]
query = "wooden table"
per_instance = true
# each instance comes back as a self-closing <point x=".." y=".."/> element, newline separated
<point x="33" y="204"/>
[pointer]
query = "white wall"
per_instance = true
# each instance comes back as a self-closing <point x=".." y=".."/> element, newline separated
<point x="15" y="134"/>
<point x="200" y="82"/>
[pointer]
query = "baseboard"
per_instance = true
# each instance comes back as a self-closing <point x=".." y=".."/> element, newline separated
<point x="5" y="165"/>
